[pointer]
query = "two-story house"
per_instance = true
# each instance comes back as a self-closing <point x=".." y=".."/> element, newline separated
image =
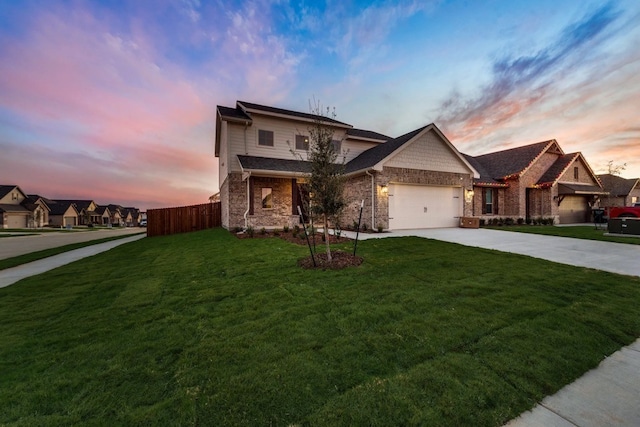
<point x="417" y="180"/>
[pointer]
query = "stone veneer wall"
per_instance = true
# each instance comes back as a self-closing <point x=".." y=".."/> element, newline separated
<point x="278" y="216"/>
<point x="224" y="203"/>
<point x="237" y="200"/>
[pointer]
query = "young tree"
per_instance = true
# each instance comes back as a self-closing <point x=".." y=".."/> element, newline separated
<point x="326" y="182"/>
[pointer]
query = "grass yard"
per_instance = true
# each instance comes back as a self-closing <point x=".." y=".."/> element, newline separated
<point x="207" y="329"/>
<point x="577" y="232"/>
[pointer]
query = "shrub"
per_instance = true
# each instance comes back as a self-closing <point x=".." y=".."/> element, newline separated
<point x="250" y="231"/>
<point x="508" y="221"/>
<point x="276" y="232"/>
<point x="285" y="228"/>
<point x="482" y="222"/>
<point x="355" y="225"/>
<point x="528" y="221"/>
<point x="380" y="228"/>
<point x="237" y="229"/>
<point x="263" y="231"/>
<point x="365" y="227"/>
<point x="296" y="229"/>
<point x="520" y="221"/>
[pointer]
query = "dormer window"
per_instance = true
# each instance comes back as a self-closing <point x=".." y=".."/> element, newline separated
<point x="302" y="142"/>
<point x="265" y="138"/>
<point x="576" y="173"/>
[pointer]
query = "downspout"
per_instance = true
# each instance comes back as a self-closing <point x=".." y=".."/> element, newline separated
<point x="373" y="189"/>
<point x="246" y="220"/>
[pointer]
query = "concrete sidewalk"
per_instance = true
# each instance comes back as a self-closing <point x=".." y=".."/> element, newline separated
<point x="606" y="396"/>
<point x="10" y="276"/>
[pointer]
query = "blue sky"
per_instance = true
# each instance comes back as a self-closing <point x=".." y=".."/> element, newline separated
<point x="115" y="100"/>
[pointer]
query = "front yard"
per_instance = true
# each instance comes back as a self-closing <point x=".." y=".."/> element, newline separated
<point x="204" y="328"/>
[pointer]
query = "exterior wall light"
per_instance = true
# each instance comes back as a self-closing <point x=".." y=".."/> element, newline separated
<point x="384" y="189"/>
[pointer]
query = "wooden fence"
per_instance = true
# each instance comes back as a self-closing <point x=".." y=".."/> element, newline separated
<point x="161" y="222"/>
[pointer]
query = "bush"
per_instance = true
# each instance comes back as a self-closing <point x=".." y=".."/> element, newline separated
<point x="237" y="229"/>
<point x="509" y="221"/>
<point x="250" y="231"/>
<point x="520" y="221"/>
<point x="263" y="231"/>
<point x="528" y="221"/>
<point x="365" y="227"/>
<point x="276" y="232"/>
<point x="380" y="228"/>
<point x="482" y="222"/>
<point x="285" y="228"/>
<point x="296" y="229"/>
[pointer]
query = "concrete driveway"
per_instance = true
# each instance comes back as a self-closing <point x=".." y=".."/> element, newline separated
<point x="613" y="257"/>
<point x="24" y="244"/>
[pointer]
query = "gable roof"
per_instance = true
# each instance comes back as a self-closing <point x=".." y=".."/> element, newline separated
<point x="60" y="207"/>
<point x="556" y="170"/>
<point x="233" y="114"/>
<point x="375" y="156"/>
<point x="485" y="179"/>
<point x="6" y="189"/>
<point x="503" y="164"/>
<point x="617" y="185"/>
<point x="80" y="204"/>
<point x="100" y="210"/>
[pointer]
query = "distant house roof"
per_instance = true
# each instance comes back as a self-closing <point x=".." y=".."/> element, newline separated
<point x="6" y="189"/>
<point x="80" y="204"/>
<point x="5" y="207"/>
<point x="501" y="165"/>
<point x="618" y="186"/>
<point x="485" y="180"/>
<point x="100" y="210"/>
<point x="60" y="207"/>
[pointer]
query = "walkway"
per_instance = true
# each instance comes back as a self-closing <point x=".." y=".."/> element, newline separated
<point x="10" y="276"/>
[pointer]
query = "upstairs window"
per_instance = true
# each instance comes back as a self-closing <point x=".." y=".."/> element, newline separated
<point x="302" y="142"/>
<point x="576" y="173"/>
<point x="337" y="146"/>
<point x="265" y="138"/>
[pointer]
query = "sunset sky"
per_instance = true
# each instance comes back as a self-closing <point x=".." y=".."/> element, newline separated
<point x="115" y="100"/>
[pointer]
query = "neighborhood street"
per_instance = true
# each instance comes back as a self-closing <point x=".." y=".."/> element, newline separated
<point x="20" y="245"/>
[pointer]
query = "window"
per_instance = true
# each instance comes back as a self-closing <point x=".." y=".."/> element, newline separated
<point x="302" y="142"/>
<point x="337" y="145"/>
<point x="634" y="200"/>
<point x="265" y="138"/>
<point x="487" y="206"/>
<point x="267" y="198"/>
<point x="576" y="173"/>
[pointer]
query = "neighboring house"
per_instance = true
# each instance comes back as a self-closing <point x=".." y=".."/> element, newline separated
<point x="622" y="191"/>
<point x="39" y="208"/>
<point x="117" y="215"/>
<point x="536" y="180"/>
<point x="133" y="215"/>
<point x="86" y="211"/>
<point x="12" y="212"/>
<point x="104" y="215"/>
<point x="63" y="213"/>
<point x="418" y="180"/>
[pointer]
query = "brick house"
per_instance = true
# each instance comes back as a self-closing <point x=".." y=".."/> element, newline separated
<point x="418" y="180"/>
<point x="622" y="191"/>
<point x="536" y="180"/>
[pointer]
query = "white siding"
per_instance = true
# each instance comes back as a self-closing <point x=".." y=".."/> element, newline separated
<point x="283" y="131"/>
<point x="355" y="148"/>
<point x="429" y="152"/>
<point x="223" y="159"/>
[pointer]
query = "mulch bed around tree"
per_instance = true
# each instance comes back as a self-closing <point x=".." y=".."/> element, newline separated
<point x="339" y="261"/>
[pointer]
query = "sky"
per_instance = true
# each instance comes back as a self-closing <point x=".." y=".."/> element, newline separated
<point x="115" y="101"/>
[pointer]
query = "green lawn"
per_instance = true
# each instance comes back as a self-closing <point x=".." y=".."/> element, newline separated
<point x="206" y="329"/>
<point x="34" y="256"/>
<point x="578" y="232"/>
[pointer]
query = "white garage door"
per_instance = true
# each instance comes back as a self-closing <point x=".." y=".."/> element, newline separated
<point x="422" y="206"/>
<point x="16" y="221"/>
<point x="573" y="210"/>
<point x="69" y="220"/>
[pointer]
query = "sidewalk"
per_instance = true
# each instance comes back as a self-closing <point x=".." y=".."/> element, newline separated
<point x="10" y="276"/>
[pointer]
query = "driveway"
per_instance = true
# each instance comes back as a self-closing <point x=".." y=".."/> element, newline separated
<point x="606" y="256"/>
<point x="20" y="245"/>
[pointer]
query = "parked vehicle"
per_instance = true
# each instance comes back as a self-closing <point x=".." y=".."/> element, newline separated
<point x="143" y="223"/>
<point x="625" y="211"/>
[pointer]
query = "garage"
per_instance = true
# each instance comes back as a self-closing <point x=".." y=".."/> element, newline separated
<point x="17" y="221"/>
<point x="69" y="221"/>
<point x="574" y="210"/>
<point x="424" y="206"/>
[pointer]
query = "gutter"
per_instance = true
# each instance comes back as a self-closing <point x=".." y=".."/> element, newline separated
<point x="373" y="215"/>
<point x="246" y="220"/>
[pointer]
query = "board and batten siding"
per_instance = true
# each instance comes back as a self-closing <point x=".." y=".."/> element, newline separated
<point x="428" y="152"/>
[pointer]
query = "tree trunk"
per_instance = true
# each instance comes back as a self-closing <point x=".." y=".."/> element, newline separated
<point x="326" y="236"/>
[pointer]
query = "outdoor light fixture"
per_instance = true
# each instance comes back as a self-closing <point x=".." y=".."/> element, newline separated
<point x="384" y="189"/>
<point x="469" y="194"/>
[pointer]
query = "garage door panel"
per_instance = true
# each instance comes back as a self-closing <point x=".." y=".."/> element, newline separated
<point x="573" y="210"/>
<point x="420" y="206"/>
